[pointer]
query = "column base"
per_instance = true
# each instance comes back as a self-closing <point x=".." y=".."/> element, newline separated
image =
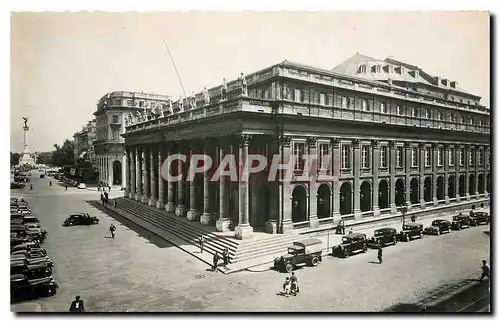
<point x="271" y="227"/>
<point x="467" y="196"/>
<point x="376" y="211"/>
<point x="160" y="204"/>
<point x="486" y="194"/>
<point x="287" y="227"/>
<point x="243" y="232"/>
<point x="408" y="205"/>
<point x="152" y="202"/>
<point x="422" y="204"/>
<point x="357" y="214"/>
<point x="394" y="209"/>
<point x="170" y="207"/>
<point x="193" y="214"/>
<point x="458" y="197"/>
<point x="131" y="195"/>
<point x="206" y="218"/>
<point x="447" y="200"/>
<point x="145" y="199"/>
<point x="336" y="218"/>
<point x="180" y="211"/>
<point x="313" y="222"/>
<point x="435" y="201"/>
<point x="223" y="224"/>
<point x="138" y="197"/>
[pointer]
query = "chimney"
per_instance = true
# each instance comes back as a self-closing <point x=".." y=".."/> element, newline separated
<point x="438" y="80"/>
<point x="454" y="84"/>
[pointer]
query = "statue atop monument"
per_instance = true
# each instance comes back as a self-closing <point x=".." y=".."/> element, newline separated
<point x="25" y="121"/>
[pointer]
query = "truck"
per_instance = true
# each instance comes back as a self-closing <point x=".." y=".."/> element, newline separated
<point x="307" y="252"/>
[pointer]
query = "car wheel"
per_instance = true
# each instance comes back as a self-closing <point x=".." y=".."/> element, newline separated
<point x="459" y="227"/>
<point x="438" y="233"/>
<point x="449" y="230"/>
<point x="289" y="267"/>
<point x="406" y="238"/>
<point x="314" y="261"/>
<point x="346" y="254"/>
<point x="365" y="249"/>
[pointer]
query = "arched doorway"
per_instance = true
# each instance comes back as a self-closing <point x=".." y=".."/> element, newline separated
<point x="427" y="189"/>
<point x="440" y="188"/>
<point x="414" y="191"/>
<point x="488" y="182"/>
<point x="400" y="192"/>
<point x="383" y="194"/>
<point x="299" y="204"/>
<point x="480" y="183"/>
<point x="461" y="185"/>
<point x="323" y="201"/>
<point x="117" y="173"/>
<point x="365" y="196"/>
<point x="345" y="199"/>
<point x="451" y="187"/>
<point x="472" y="184"/>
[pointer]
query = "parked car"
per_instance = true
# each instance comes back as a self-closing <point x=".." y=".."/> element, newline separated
<point x="28" y="260"/>
<point x="38" y="270"/>
<point x="80" y="219"/>
<point x="350" y="244"/>
<point x="308" y="252"/>
<point x="383" y="237"/>
<point x="28" y="246"/>
<point x="32" y="253"/>
<point x="438" y="227"/>
<point x="42" y="176"/>
<point x="480" y="217"/>
<point x="24" y="288"/>
<point x="460" y="221"/>
<point x="17" y="185"/>
<point x="411" y="231"/>
<point x="30" y="219"/>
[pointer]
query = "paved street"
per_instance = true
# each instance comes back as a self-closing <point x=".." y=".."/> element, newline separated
<point x="135" y="274"/>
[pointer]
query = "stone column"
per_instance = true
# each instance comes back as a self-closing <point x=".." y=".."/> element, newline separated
<point x="153" y="176"/>
<point x="193" y="212"/>
<point x="408" y="161"/>
<point x="138" y="176"/>
<point x="486" y="169"/>
<point x="392" y="171"/>
<point x="336" y="165"/>
<point x="375" y="169"/>
<point x="207" y="216"/>
<point x="132" y="173"/>
<point x="446" y="160"/>
<point x="285" y="194"/>
<point x="170" y="206"/>
<point x="313" y="184"/>
<point x="357" y="186"/>
<point x="145" y="175"/>
<point x="223" y="222"/>
<point x="243" y="230"/>
<point x="467" y="169"/>
<point x="434" y="174"/>
<point x="421" y="148"/>
<point x="180" y="210"/>
<point x="126" y="166"/>
<point x="160" y="204"/>
<point x="110" y="171"/>
<point x="457" y="169"/>
<point x="477" y="151"/>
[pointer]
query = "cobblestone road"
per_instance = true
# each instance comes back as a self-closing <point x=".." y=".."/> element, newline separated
<point x="129" y="273"/>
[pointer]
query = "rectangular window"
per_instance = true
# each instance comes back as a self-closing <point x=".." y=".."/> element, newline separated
<point x="440" y="157"/>
<point x="427" y="156"/>
<point x="344" y="101"/>
<point x="452" y="118"/>
<point x="383" y="107"/>
<point x="115" y="118"/>
<point x="414" y="157"/>
<point x="414" y="112"/>
<point x="451" y="157"/>
<point x="116" y="102"/>
<point x="471" y="121"/>
<point x="324" y="150"/>
<point x="440" y="116"/>
<point x="298" y="95"/>
<point x="346" y="156"/>
<point x="141" y="103"/>
<point x="298" y="152"/>
<point x="462" y="156"/>
<point x="399" y="156"/>
<point x="364" y="105"/>
<point x="153" y="104"/>
<point x="471" y="157"/>
<point x="462" y="120"/>
<point x="383" y="157"/>
<point x="427" y="114"/>
<point x="322" y="99"/>
<point x="350" y="102"/>
<point x="481" y="157"/>
<point x="129" y="102"/>
<point x="399" y="110"/>
<point x="365" y="156"/>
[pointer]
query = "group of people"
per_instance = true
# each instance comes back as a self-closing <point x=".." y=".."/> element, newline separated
<point x="216" y="257"/>
<point x="291" y="285"/>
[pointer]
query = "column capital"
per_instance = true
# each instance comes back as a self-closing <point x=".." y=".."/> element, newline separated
<point x="356" y="143"/>
<point x="335" y="142"/>
<point x="435" y="145"/>
<point x="421" y="145"/>
<point x="285" y="140"/>
<point x="311" y="142"/>
<point x="375" y="144"/>
<point x="407" y="145"/>
<point x="196" y="143"/>
<point x="392" y="144"/>
<point x="243" y="139"/>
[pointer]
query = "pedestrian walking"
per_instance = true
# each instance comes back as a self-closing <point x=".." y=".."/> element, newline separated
<point x="342" y="226"/>
<point x="112" y="230"/>
<point x="77" y="305"/>
<point x="413" y="218"/>
<point x="66" y="187"/>
<point x="106" y="197"/>
<point x="109" y="188"/>
<point x="201" y="244"/>
<point x="115" y="202"/>
<point x="286" y="286"/>
<point x="485" y="271"/>
<point x="102" y="199"/>
<point x="379" y="255"/>
<point x="216" y="261"/>
<point x="50" y="183"/>
<point x="31" y="186"/>
<point x="294" y="290"/>
<point x="225" y="256"/>
<point x="351" y="232"/>
<point x="99" y="187"/>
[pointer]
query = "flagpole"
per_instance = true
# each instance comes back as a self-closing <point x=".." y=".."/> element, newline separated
<point x="175" y="67"/>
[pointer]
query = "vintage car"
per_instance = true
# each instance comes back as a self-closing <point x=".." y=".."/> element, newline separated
<point x="24" y="288"/>
<point x="307" y="251"/>
<point x="352" y="243"/>
<point x="460" y="221"/>
<point x="28" y="260"/>
<point x="36" y="234"/>
<point x="32" y="253"/>
<point x="80" y="219"/>
<point x="41" y="269"/>
<point x="17" y="185"/>
<point x="13" y="201"/>
<point x="438" y="227"/>
<point x="16" y="217"/>
<point x="480" y="217"/>
<point x="383" y="237"/>
<point x="28" y="246"/>
<point x="17" y="240"/>
<point x="30" y="219"/>
<point x="411" y="231"/>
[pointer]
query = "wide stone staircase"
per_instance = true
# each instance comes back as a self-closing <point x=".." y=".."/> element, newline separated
<point x="243" y="254"/>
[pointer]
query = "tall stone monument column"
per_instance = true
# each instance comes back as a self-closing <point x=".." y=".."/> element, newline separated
<point x="26" y="157"/>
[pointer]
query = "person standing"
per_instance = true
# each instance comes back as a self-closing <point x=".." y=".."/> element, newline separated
<point x="215" y="261"/>
<point x="225" y="256"/>
<point x="109" y="188"/>
<point x="485" y="271"/>
<point x="77" y="305"/>
<point x="413" y="218"/>
<point x="102" y="199"/>
<point x="112" y="230"/>
<point x="201" y="244"/>
<point x="115" y="202"/>
<point x="66" y="186"/>
<point x="106" y="197"/>
<point x="50" y="183"/>
<point x="294" y="284"/>
<point x="379" y="254"/>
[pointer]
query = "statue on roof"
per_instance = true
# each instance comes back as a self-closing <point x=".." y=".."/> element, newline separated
<point x="206" y="96"/>
<point x="25" y="121"/>
<point x="223" y="95"/>
<point x="192" y="100"/>
<point x="243" y="83"/>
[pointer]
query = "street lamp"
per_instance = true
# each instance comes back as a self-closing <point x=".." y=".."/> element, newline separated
<point x="404" y="210"/>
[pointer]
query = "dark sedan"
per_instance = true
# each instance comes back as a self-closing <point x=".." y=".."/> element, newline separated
<point x="438" y="227"/>
<point x="80" y="219"/>
<point x="383" y="237"/>
<point x="480" y="217"/>
<point x="460" y="221"/>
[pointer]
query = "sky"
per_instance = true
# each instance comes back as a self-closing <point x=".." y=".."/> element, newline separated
<point x="62" y="63"/>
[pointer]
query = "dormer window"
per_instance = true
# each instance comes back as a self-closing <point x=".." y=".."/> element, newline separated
<point x="402" y="70"/>
<point x="377" y="68"/>
<point x="390" y="69"/>
<point x="362" y="69"/>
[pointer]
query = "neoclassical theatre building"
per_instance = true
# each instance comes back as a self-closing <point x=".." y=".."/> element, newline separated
<point x="396" y="136"/>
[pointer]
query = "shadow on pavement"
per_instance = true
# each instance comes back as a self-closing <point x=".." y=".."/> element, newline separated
<point x="152" y="238"/>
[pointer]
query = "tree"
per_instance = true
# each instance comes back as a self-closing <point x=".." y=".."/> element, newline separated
<point x="63" y="155"/>
<point x="14" y="158"/>
<point x="45" y="158"/>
